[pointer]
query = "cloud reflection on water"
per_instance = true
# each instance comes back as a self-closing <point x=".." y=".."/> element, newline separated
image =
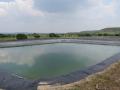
<point x="20" y="56"/>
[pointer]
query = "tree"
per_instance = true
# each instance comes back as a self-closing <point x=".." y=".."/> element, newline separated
<point x="106" y="34"/>
<point x="99" y="34"/>
<point x="53" y="35"/>
<point x="36" y="35"/>
<point x="3" y="35"/>
<point x="21" y="36"/>
<point x="117" y="34"/>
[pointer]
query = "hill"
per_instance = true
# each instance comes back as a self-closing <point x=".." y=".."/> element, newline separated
<point x="115" y="29"/>
<point x="103" y="32"/>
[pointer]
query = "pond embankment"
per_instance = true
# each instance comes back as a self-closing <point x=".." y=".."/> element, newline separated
<point x="10" y="81"/>
<point x="47" y="41"/>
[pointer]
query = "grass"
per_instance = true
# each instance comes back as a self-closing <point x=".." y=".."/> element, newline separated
<point x="109" y="79"/>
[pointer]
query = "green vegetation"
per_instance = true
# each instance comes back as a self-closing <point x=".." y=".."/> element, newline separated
<point x="103" y="32"/>
<point x="106" y="32"/>
<point x="53" y="35"/>
<point x="6" y="37"/>
<point x="21" y="36"/>
<point x="36" y="35"/>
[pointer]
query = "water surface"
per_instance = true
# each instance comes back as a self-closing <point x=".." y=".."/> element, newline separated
<point x="52" y="60"/>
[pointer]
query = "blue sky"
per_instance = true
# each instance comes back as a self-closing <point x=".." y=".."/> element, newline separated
<point x="47" y="16"/>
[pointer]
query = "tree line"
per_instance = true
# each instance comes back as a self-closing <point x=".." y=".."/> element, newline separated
<point x="22" y="36"/>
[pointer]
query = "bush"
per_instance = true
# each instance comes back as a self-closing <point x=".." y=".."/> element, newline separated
<point x="106" y="34"/>
<point x="99" y="34"/>
<point x="21" y="36"/>
<point x="36" y="35"/>
<point x="53" y="35"/>
<point x="117" y="34"/>
<point x="3" y="35"/>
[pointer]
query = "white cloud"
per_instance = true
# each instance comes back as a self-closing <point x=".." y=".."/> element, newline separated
<point x="98" y="10"/>
<point x="25" y="7"/>
<point x="87" y="15"/>
<point x="3" y="12"/>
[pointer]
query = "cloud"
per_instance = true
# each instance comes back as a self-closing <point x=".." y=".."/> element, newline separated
<point x="57" y="6"/>
<point x="3" y="12"/>
<point x="95" y="9"/>
<point x="59" y="15"/>
<point x="20" y="58"/>
<point x="25" y="7"/>
<point x="97" y="14"/>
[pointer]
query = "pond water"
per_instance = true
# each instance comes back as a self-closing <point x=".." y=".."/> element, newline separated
<point x="50" y="60"/>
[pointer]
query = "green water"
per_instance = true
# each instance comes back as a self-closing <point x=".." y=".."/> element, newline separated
<point x="52" y="60"/>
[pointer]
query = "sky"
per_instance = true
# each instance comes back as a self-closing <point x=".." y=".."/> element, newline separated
<point x="58" y="16"/>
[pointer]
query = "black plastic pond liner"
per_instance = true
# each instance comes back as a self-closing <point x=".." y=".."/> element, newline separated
<point x="10" y="82"/>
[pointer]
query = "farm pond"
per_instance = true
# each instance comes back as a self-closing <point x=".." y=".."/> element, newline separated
<point x="52" y="60"/>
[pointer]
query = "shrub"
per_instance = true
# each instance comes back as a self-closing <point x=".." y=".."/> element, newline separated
<point x="53" y="35"/>
<point x="106" y="34"/>
<point x="117" y="34"/>
<point x="3" y="35"/>
<point x="99" y="34"/>
<point x="36" y="35"/>
<point x="21" y="36"/>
